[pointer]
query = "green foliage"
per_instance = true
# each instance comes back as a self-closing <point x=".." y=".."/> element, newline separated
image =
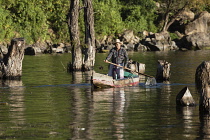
<point x="136" y="21"/>
<point x="31" y="21"/>
<point x="56" y="12"/>
<point x="139" y="15"/>
<point x="113" y="17"/>
<point x="6" y="25"/>
<point x="174" y="36"/>
<point x="108" y="19"/>
<point x="35" y="20"/>
<point x="40" y="20"/>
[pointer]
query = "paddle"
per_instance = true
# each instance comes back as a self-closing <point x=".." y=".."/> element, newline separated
<point x="150" y="81"/>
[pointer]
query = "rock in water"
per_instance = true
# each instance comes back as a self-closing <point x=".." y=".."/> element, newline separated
<point x="184" y="98"/>
<point x="151" y="82"/>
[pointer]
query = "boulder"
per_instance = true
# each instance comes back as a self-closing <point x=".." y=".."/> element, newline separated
<point x="140" y="47"/>
<point x="128" y="36"/>
<point x="184" y="98"/>
<point x="59" y="50"/>
<point x="159" y="42"/>
<point x="30" y="50"/>
<point x="197" y="40"/>
<point x="200" y="24"/>
<point x="130" y="46"/>
<point x="187" y="15"/>
<point x="4" y="49"/>
<point x="41" y="46"/>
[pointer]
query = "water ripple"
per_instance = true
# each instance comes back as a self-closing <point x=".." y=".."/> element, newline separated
<point x="60" y="85"/>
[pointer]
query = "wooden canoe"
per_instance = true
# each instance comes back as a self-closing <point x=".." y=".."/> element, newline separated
<point x="101" y="81"/>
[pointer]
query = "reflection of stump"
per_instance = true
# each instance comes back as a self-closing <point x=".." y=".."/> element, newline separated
<point x="11" y="65"/>
<point x="163" y="70"/>
<point x="184" y="98"/>
<point x="202" y="81"/>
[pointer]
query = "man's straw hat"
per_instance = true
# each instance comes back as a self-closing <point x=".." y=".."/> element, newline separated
<point x="117" y="41"/>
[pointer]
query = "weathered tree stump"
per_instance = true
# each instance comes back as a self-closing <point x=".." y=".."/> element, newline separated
<point x="163" y="70"/>
<point x="184" y="98"/>
<point x="11" y="64"/>
<point x="89" y="54"/>
<point x="202" y="81"/>
<point x="73" y="25"/>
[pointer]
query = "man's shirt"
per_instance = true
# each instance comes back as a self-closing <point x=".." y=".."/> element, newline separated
<point x="118" y="57"/>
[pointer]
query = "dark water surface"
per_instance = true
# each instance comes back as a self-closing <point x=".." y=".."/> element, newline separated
<point x="49" y="103"/>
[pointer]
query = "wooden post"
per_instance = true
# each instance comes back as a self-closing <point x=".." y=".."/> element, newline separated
<point x="202" y="81"/>
<point x="163" y="70"/>
<point x="11" y="64"/>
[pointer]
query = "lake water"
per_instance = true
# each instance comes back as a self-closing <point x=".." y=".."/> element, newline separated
<point x="49" y="103"/>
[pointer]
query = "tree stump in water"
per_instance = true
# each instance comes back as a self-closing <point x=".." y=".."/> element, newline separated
<point x="202" y="81"/>
<point x="11" y="64"/>
<point x="184" y="98"/>
<point x="163" y="70"/>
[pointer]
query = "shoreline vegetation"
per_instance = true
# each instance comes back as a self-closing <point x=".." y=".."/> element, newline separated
<point x="83" y="27"/>
<point x="44" y="23"/>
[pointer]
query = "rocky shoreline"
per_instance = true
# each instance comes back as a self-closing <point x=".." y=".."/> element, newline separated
<point x="192" y="31"/>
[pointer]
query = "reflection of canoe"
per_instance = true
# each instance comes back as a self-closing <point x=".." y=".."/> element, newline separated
<point x="101" y="80"/>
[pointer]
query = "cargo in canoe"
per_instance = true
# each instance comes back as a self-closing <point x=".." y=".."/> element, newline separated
<point x="101" y="80"/>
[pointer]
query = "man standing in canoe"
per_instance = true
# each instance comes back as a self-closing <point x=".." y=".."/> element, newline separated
<point x="119" y="56"/>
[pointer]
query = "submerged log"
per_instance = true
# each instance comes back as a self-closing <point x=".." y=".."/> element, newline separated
<point x="202" y="81"/>
<point x="163" y="70"/>
<point x="11" y="64"/>
<point x="184" y="98"/>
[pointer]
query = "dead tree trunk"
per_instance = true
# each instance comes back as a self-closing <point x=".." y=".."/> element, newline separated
<point x="11" y="64"/>
<point x="73" y="17"/>
<point x="202" y="81"/>
<point x="163" y="70"/>
<point x="89" y="54"/>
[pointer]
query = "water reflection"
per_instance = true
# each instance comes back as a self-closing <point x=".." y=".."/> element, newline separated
<point x="81" y="107"/>
<point x="56" y="105"/>
<point x="119" y="100"/>
<point x="166" y="88"/>
<point x="204" y="132"/>
<point x="76" y="105"/>
<point x="94" y="110"/>
<point x="16" y="102"/>
<point x="186" y="114"/>
<point x="115" y="101"/>
<point x="79" y="77"/>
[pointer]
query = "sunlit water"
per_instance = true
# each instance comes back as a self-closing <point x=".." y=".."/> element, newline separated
<point x="49" y="103"/>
